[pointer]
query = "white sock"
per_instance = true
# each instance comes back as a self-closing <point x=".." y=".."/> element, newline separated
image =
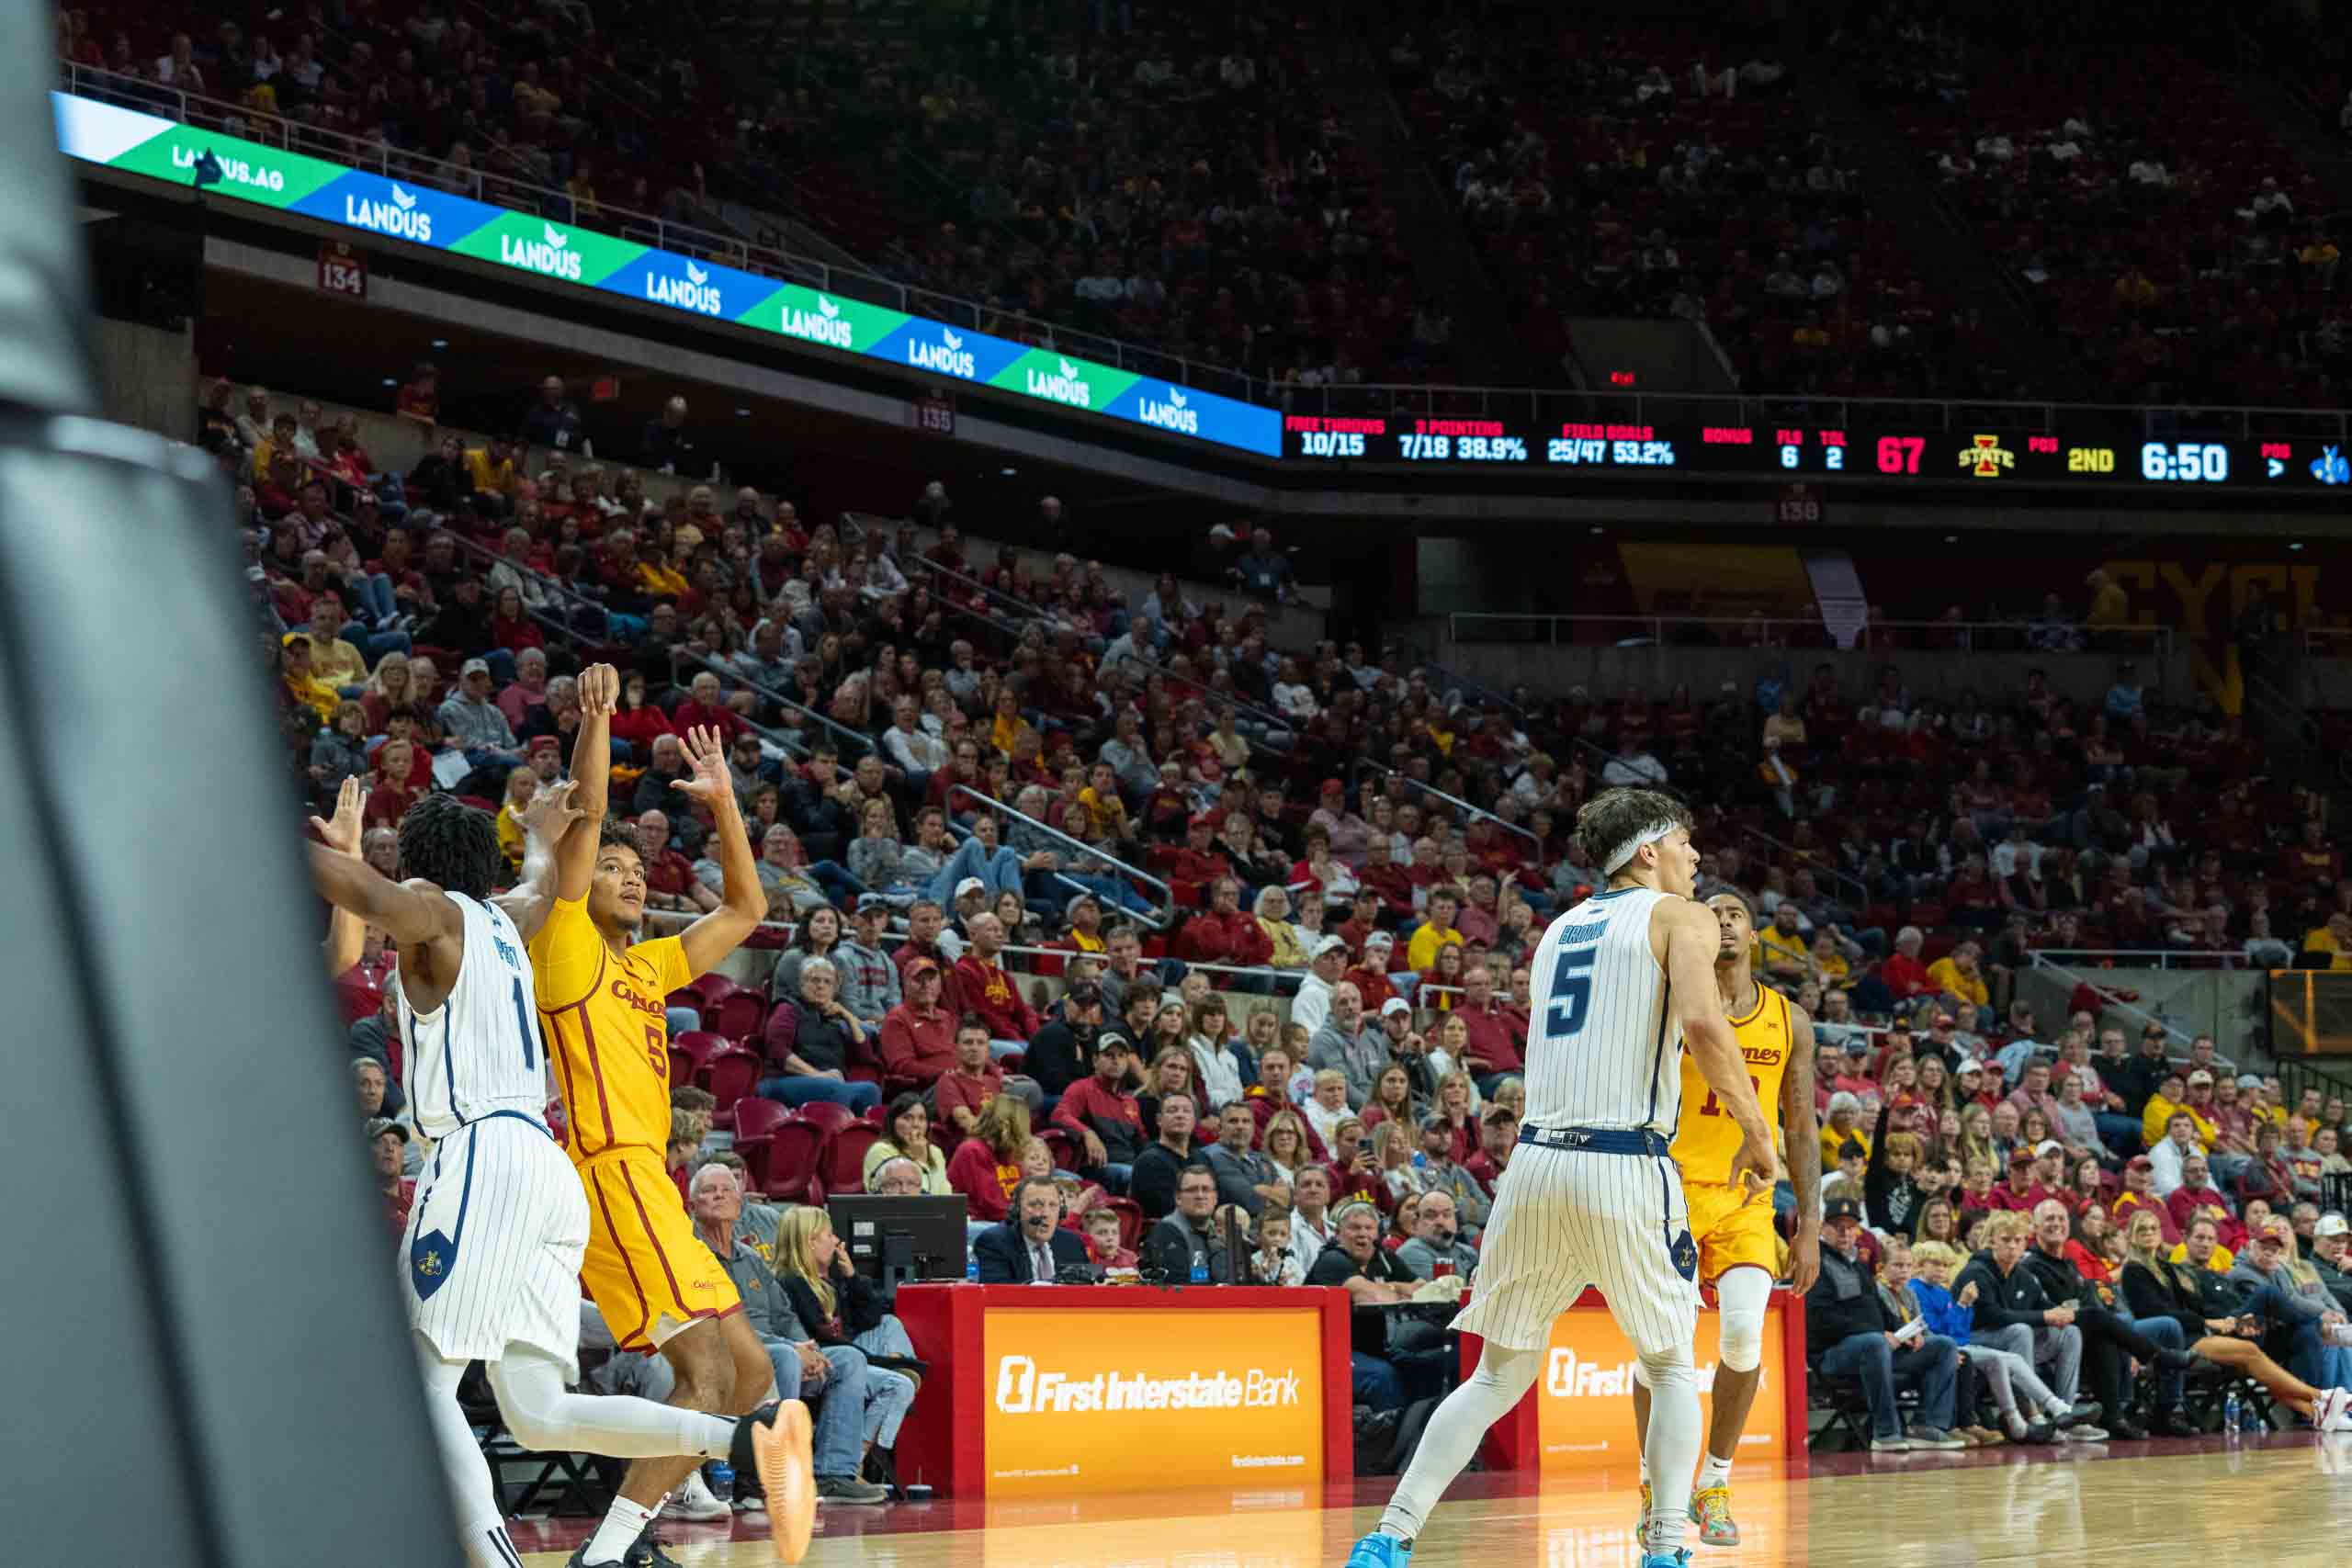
<point x="619" y="1531"/>
<point x="1488" y="1394"/>
<point x="2015" y="1423"/>
<point x="1712" y="1472"/>
<point x="1673" y="1442"/>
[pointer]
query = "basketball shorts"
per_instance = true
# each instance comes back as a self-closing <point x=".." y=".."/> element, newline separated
<point x="650" y="1273"/>
<point x="491" y="1255"/>
<point x="1733" y="1230"/>
<point x="1565" y="1220"/>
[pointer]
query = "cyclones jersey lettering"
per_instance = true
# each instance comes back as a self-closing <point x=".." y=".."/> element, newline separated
<point x="1707" y="1140"/>
<point x="607" y="1028"/>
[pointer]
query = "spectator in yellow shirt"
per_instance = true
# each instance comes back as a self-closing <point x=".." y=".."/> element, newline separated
<point x="2334" y="939"/>
<point x="1956" y="976"/>
<point x="307" y="689"/>
<point x="1781" y="952"/>
<point x="2168" y="1098"/>
<point x="1829" y="965"/>
<point x="492" y="468"/>
<point x="521" y="784"/>
<point x="1841" y="1126"/>
<point x="1421" y="954"/>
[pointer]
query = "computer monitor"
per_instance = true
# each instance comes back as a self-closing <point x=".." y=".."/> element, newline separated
<point x="895" y="1239"/>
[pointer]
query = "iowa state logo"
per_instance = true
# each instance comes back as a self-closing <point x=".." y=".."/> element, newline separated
<point x="1986" y="459"/>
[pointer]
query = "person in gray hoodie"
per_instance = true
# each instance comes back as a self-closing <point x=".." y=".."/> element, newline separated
<point x="1348" y="1045"/>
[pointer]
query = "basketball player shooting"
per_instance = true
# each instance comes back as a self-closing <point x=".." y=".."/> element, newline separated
<point x="1624" y="983"/>
<point x="1738" y="1254"/>
<point x="601" y="995"/>
<point x="494" y="1239"/>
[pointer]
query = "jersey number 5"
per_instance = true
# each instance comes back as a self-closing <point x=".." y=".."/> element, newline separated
<point x="1571" y="991"/>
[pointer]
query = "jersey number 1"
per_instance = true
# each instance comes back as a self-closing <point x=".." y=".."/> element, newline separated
<point x="523" y="1017"/>
<point x="1714" y="1109"/>
<point x="1571" y="991"/>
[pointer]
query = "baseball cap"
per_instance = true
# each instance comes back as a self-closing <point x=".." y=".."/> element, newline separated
<point x="1841" y="1209"/>
<point x="474" y="667"/>
<point x="921" y="966"/>
<point x="867" y="901"/>
<point x="545" y="743"/>
<point x="1333" y="786"/>
<point x="2249" y="1080"/>
<point x="970" y="884"/>
<point x="1944" y="1021"/>
<point x="379" y="1125"/>
<point x="1084" y="993"/>
<point x="1112" y="1040"/>
<point x="2331" y="1225"/>
<point x="2198" y="1077"/>
<point x="1396" y="1004"/>
<point x="1968" y="1065"/>
<point x="2049" y="1145"/>
<point x="1379" y="938"/>
<point x="2020" y="1156"/>
<point x="1205" y="820"/>
<point x="1329" y="945"/>
<point x="1069" y="911"/>
<point x="2140" y="1162"/>
<point x="1858" y="1046"/>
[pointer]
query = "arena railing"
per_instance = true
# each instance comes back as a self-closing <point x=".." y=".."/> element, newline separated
<point x="2142" y="958"/>
<point x="1460" y="804"/>
<point x="1781" y="633"/>
<point x="1158" y="920"/>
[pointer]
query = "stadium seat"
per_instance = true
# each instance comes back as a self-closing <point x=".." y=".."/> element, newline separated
<point x="730" y="1075"/>
<point x="713" y="989"/>
<point x="841" y="1167"/>
<point x="793" y="1151"/>
<point x="740" y="1015"/>
<point x="826" y="1115"/>
<point x="1130" y="1219"/>
<point x="698" y="1046"/>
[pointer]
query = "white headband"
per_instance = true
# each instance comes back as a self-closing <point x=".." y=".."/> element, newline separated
<point x="1624" y="852"/>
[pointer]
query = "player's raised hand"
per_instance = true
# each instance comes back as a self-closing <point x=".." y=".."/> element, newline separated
<point x="600" y="690"/>
<point x="551" y="812"/>
<point x="707" y="757"/>
<point x="343" y="832"/>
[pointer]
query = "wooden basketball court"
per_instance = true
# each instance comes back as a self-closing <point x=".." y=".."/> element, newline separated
<point x="2282" y="1501"/>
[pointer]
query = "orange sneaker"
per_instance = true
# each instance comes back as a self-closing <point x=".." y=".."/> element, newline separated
<point x="781" y="1452"/>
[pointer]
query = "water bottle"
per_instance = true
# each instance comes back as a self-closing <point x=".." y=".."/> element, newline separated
<point x="972" y="1268"/>
<point x="2253" y="1417"/>
<point x="1200" y="1268"/>
<point x="721" y="1476"/>
<point x="1420" y="1161"/>
<point x="2233" y="1413"/>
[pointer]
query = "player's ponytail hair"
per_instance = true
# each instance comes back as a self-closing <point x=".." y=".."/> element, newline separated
<point x="1616" y="818"/>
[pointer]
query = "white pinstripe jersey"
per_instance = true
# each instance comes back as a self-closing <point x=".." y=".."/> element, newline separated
<point x="479" y="1052"/>
<point x="1602" y="1049"/>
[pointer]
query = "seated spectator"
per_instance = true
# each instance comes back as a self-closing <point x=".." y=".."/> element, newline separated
<point x="2006" y="1375"/>
<point x="986" y="1166"/>
<point x="1274" y="1262"/>
<point x="1187" y="1246"/>
<point x="1849" y="1328"/>
<point x="387" y="1150"/>
<point x="1102" y="1116"/>
<point x="842" y="1308"/>
<point x="907" y="1136"/>
<point x="919" y="1035"/>
<point x="1104" y="1248"/>
<point x="1152" y="1180"/>
<point x="1373" y="1278"/>
<point x="1029" y="1247"/>
<point x="811" y="1040"/>
<point x="1062" y="1051"/>
<point x="1498" y="1135"/>
<point x="1223" y="934"/>
<point x="1436" y="1250"/>
<point x="2302" y="1314"/>
<point x="1243" y="1175"/>
<point x="2013" y="1313"/>
<point x="986" y="990"/>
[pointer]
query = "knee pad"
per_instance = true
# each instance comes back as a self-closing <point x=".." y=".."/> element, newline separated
<point x="1666" y="1370"/>
<point x="1741" y="1297"/>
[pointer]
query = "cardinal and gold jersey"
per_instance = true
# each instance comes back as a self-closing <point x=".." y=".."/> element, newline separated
<point x="1733" y="1228"/>
<point x="607" y="1031"/>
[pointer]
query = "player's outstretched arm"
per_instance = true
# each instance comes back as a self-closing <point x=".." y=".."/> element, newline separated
<point x="546" y="823"/>
<point x="1691" y="940"/>
<point x="742" y="904"/>
<point x="1803" y="1131"/>
<point x="411" y="913"/>
<point x="347" y="932"/>
<point x="592" y="771"/>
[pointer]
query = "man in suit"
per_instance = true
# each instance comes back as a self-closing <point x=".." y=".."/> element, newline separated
<point x="1191" y="1234"/>
<point x="1030" y="1247"/>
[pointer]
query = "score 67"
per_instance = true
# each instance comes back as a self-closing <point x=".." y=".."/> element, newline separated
<point x="1571" y="992"/>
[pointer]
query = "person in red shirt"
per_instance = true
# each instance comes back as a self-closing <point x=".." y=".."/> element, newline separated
<point x="963" y="1092"/>
<point x="387" y="1148"/>
<point x="2017" y="1188"/>
<point x="670" y="880"/>
<point x="705" y="706"/>
<point x="1497" y="1135"/>
<point x="1363" y="920"/>
<point x="1384" y="876"/>
<point x="987" y="991"/>
<point x="925" y="921"/>
<point x="1198" y="862"/>
<point x="1224" y="933"/>
<point x="1903" y="973"/>
<point x="1370" y="974"/>
<point x="1102" y="1116"/>
<point x="1491" y="1053"/>
<point x="986" y="1166"/>
<point x="2140" y="1192"/>
<point x="919" y="1035"/>
<point x="2195" y="1195"/>
<point x="2310" y="863"/>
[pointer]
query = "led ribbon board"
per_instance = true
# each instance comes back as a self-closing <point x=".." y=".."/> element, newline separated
<point x="416" y="214"/>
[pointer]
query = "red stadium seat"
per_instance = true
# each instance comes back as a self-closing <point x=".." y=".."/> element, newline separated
<point x="1130" y="1218"/>
<point x="756" y="1120"/>
<point x="1064" y="1148"/>
<point x="712" y="989"/>
<point x="730" y="1075"/>
<point x="698" y="1046"/>
<point x="841" y="1167"/>
<point x="824" y="1114"/>
<point x="740" y="1015"/>
<point x="794" y="1149"/>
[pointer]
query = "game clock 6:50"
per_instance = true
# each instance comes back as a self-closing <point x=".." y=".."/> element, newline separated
<point x="2185" y="462"/>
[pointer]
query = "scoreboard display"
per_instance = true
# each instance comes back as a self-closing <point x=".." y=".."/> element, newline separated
<point x="1817" y="452"/>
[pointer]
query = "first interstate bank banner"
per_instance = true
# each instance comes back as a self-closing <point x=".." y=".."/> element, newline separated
<point x="137" y="143"/>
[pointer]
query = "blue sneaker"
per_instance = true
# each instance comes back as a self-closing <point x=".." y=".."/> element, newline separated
<point x="1377" y="1551"/>
<point x="1667" y="1558"/>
